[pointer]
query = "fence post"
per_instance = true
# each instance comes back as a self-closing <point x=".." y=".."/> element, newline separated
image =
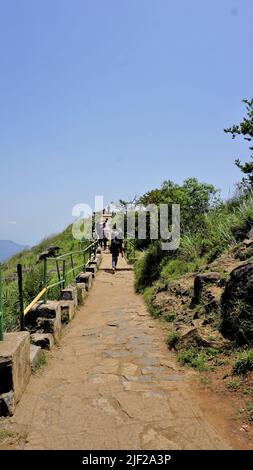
<point x="1" y="307"/>
<point x="72" y="265"/>
<point x="84" y="260"/>
<point x="45" y="277"/>
<point x="20" y="296"/>
<point x="58" y="270"/>
<point x="64" y="272"/>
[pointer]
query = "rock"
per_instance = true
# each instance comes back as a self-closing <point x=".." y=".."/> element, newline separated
<point x="201" y="280"/>
<point x="191" y="338"/>
<point x="70" y="293"/>
<point x="237" y="305"/>
<point x="44" y="340"/>
<point x="7" y="404"/>
<point x="248" y="242"/>
<point x="250" y="234"/>
<point x="51" y="252"/>
<point x="84" y="278"/>
<point x="35" y="355"/>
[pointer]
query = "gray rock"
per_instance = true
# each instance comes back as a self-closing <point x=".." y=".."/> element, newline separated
<point x="7" y="404"/>
<point x="201" y="280"/>
<point x="44" y="340"/>
<point x="237" y="305"/>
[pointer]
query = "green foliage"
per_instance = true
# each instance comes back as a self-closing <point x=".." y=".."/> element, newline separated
<point x="244" y="363"/>
<point x="238" y="322"/>
<point x="148" y="295"/>
<point x="233" y="385"/>
<point x="195" y="199"/>
<point x="245" y="129"/>
<point x="197" y="358"/>
<point x="172" y="338"/>
<point x="147" y="268"/>
<point x="177" y="267"/>
<point x="33" y="274"/>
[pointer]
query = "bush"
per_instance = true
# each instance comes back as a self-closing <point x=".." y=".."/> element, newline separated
<point x="147" y="268"/>
<point x="148" y="295"/>
<point x="244" y="363"/>
<point x="172" y="338"/>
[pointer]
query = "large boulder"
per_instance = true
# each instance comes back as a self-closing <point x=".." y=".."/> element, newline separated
<point x="237" y="305"/>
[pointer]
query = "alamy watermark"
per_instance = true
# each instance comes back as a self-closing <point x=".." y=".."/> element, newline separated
<point x="129" y="221"/>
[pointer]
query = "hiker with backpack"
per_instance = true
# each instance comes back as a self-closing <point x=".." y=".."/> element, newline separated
<point x="115" y="249"/>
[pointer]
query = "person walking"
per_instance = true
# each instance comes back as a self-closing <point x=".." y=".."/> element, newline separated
<point x="106" y="231"/>
<point x="115" y="249"/>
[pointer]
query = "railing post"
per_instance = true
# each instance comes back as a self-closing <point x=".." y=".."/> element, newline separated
<point x="45" y="277"/>
<point x="72" y="266"/>
<point x="58" y="270"/>
<point x="84" y="260"/>
<point x="64" y="272"/>
<point x="20" y="296"/>
<point x="1" y="307"/>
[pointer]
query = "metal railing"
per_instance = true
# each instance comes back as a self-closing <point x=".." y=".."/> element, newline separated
<point x="62" y="271"/>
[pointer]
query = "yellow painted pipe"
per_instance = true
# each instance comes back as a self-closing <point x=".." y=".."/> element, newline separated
<point x="30" y="306"/>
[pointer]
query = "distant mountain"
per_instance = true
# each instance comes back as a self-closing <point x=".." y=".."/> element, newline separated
<point x="9" y="248"/>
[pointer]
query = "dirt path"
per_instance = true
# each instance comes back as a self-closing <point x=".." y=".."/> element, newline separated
<point x="112" y="384"/>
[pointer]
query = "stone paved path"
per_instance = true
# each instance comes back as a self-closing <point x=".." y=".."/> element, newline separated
<point x="112" y="383"/>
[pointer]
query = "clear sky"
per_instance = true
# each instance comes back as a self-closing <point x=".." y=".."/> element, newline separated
<point x="112" y="97"/>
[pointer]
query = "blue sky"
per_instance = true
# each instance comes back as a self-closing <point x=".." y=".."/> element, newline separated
<point x="112" y="97"/>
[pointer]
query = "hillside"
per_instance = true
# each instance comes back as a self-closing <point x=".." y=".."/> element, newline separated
<point x="9" y="248"/>
<point x="33" y="273"/>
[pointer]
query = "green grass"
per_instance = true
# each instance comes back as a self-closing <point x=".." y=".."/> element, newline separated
<point x="244" y="363"/>
<point x="198" y="359"/>
<point x="148" y="295"/>
<point x="248" y="410"/>
<point x="42" y="362"/>
<point x="33" y="274"/>
<point x="7" y="434"/>
<point x="233" y="385"/>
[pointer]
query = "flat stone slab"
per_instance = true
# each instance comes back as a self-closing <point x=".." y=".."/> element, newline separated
<point x="44" y="340"/>
<point x="67" y="310"/>
<point x="15" y="367"/>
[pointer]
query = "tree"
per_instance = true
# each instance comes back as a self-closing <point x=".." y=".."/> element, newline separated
<point x="195" y="199"/>
<point x="245" y="129"/>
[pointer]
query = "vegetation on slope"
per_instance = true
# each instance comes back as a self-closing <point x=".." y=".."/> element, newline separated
<point x="33" y="274"/>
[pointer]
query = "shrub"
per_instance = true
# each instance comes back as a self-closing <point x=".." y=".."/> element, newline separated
<point x="172" y="338"/>
<point x="147" y="269"/>
<point x="244" y="363"/>
<point x="149" y="298"/>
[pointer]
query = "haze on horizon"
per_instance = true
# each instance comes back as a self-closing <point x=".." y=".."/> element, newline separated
<point x="111" y="98"/>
